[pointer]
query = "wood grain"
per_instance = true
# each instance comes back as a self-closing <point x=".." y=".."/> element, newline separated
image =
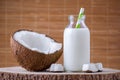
<point x="13" y="73"/>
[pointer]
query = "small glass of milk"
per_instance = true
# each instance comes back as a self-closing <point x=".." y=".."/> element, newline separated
<point x="76" y="48"/>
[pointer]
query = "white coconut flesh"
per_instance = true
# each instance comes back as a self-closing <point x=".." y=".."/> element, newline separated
<point x="37" y="42"/>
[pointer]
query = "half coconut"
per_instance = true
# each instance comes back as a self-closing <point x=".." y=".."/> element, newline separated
<point x="35" y="51"/>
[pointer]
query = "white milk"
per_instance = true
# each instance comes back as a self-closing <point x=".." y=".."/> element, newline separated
<point x="76" y="48"/>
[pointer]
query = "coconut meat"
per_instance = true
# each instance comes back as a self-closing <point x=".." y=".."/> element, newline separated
<point x="89" y="67"/>
<point x="56" y="67"/>
<point x="37" y="42"/>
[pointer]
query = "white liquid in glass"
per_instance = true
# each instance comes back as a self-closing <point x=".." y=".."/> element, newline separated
<point x="76" y="48"/>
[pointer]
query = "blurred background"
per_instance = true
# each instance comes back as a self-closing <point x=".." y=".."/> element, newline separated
<point x="51" y="17"/>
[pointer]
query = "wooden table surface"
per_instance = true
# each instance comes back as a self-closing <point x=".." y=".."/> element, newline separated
<point x="19" y="73"/>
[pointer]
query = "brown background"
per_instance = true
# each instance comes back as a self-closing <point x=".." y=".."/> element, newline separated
<point x="51" y="17"/>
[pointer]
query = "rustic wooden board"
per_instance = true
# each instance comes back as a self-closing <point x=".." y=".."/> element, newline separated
<point x="19" y="73"/>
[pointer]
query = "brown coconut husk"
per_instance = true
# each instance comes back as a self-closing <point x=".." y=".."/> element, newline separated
<point x="32" y="60"/>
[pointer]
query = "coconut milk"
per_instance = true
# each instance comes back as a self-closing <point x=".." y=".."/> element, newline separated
<point x="76" y="48"/>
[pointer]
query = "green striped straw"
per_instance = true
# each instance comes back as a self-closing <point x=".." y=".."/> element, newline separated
<point x="81" y="13"/>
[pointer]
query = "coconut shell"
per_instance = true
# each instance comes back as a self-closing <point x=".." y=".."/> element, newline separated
<point x="32" y="60"/>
